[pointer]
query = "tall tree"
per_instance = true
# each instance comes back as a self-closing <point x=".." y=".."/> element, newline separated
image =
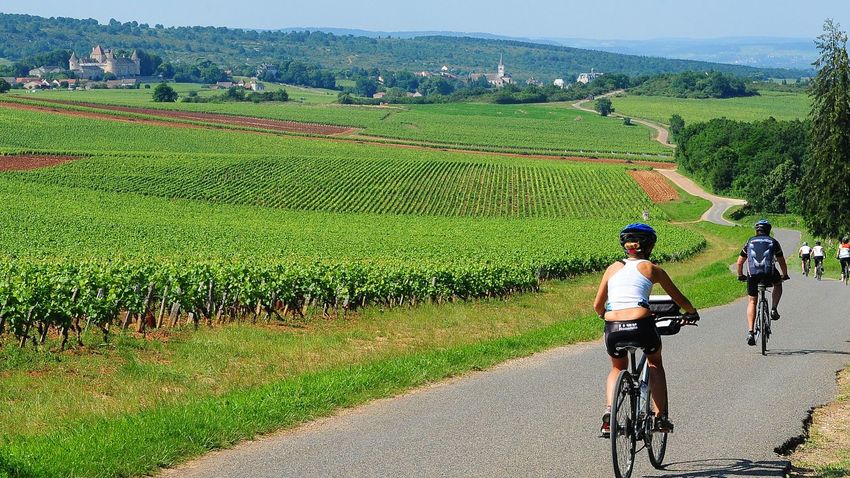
<point x="826" y="185"/>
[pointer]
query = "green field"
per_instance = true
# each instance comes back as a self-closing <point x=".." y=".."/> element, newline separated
<point x="782" y="106"/>
<point x="550" y="129"/>
<point x="192" y="206"/>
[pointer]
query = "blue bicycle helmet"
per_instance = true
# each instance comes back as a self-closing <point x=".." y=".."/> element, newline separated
<point x="763" y="226"/>
<point x="638" y="232"/>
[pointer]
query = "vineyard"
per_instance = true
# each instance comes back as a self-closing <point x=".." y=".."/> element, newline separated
<point x="154" y="226"/>
<point x="782" y="106"/>
<point x="121" y="259"/>
<point x="351" y="180"/>
<point x="546" y="129"/>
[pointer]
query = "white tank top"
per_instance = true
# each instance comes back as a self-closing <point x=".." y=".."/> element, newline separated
<point x="628" y="288"/>
<point x="817" y="251"/>
<point x="843" y="252"/>
<point x="805" y="250"/>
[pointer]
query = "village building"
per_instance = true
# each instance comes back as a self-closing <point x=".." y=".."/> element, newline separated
<point x="101" y="62"/>
<point x="533" y="81"/>
<point x="256" y="86"/>
<point x="559" y="82"/>
<point x="586" y="78"/>
<point x="500" y="78"/>
<point x="122" y="83"/>
<point x="379" y="95"/>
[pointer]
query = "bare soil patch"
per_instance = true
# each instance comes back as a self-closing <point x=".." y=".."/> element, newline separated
<point x="25" y="162"/>
<point x="655" y="185"/>
<point x="219" y="118"/>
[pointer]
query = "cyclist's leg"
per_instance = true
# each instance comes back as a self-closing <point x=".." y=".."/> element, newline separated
<point x="657" y="382"/>
<point x="777" y="290"/>
<point x="752" y="292"/>
<point x="617" y="366"/>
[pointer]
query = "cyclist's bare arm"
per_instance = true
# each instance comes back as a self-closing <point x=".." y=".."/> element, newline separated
<point x="660" y="277"/>
<point x="783" y="265"/>
<point x="602" y="293"/>
<point x="740" y="265"/>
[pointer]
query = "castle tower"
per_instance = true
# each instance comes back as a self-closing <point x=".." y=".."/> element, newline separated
<point x="501" y="67"/>
<point x="73" y="62"/>
<point x="137" y="61"/>
<point x="110" y="63"/>
<point x="97" y="54"/>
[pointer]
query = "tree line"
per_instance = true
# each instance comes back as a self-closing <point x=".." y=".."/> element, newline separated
<point x="800" y="167"/>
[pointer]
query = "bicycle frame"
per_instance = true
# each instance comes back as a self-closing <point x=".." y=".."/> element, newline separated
<point x="762" y="322"/>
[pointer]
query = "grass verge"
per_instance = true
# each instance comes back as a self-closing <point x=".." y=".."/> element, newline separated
<point x="688" y="208"/>
<point x="826" y="453"/>
<point x="138" y="405"/>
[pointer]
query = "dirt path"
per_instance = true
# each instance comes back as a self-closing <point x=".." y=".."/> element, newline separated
<point x="719" y="205"/>
<point x="655" y="186"/>
<point x="662" y="135"/>
<point x="358" y="139"/>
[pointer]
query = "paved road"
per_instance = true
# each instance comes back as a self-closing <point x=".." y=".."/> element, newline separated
<point x="662" y="135"/>
<point x="719" y="205"/>
<point x="539" y="416"/>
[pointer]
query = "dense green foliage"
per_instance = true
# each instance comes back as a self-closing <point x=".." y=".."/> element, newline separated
<point x="238" y="93"/>
<point x="761" y="161"/>
<point x="24" y="35"/>
<point x="603" y="106"/>
<point x="691" y="84"/>
<point x="827" y="176"/>
<point x="4" y="86"/>
<point x="164" y="94"/>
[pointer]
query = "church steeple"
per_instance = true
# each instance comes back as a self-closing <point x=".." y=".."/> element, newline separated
<point x="501" y="66"/>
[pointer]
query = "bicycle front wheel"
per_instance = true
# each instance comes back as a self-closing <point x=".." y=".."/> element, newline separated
<point x="656" y="442"/>
<point x="623" y="415"/>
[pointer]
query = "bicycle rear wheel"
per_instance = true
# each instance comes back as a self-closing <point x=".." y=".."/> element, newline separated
<point x="656" y="442"/>
<point x="764" y="326"/>
<point x="623" y="416"/>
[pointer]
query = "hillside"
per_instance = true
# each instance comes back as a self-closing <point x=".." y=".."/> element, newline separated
<point x="22" y="36"/>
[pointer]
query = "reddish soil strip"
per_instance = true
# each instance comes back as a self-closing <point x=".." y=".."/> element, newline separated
<point x="381" y="142"/>
<point x="226" y="119"/>
<point x="655" y="185"/>
<point x="25" y="162"/>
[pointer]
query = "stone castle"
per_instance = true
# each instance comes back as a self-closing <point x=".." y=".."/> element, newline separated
<point x="102" y="61"/>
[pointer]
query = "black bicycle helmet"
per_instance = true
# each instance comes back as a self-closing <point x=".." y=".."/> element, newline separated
<point x="640" y="233"/>
<point x="817" y="243"/>
<point x="763" y="226"/>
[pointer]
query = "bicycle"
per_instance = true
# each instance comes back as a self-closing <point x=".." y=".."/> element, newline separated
<point x="819" y="269"/>
<point x="632" y="416"/>
<point x="806" y="267"/>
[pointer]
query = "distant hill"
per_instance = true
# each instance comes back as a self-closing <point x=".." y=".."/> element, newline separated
<point x="760" y="52"/>
<point x="22" y="36"/>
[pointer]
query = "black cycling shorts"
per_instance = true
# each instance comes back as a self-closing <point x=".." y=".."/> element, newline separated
<point x="637" y="333"/>
<point x="805" y="257"/>
<point x="766" y="279"/>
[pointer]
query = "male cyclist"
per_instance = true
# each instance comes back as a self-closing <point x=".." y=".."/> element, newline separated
<point x="843" y="255"/>
<point x="760" y="252"/>
<point x="623" y="302"/>
<point x="804" y="253"/>
<point x="818" y="254"/>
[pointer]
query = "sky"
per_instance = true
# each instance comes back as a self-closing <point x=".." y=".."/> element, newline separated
<point x="595" y="19"/>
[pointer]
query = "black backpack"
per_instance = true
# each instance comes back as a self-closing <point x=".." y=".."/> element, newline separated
<point x="761" y="253"/>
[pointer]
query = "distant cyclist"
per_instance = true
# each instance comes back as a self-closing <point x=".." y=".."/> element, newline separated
<point x="623" y="301"/>
<point x="805" y="254"/>
<point x="761" y="252"/>
<point x="818" y="254"/>
<point x="843" y="255"/>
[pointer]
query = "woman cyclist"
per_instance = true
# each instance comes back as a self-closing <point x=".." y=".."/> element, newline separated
<point x="623" y="302"/>
<point x="843" y="255"/>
